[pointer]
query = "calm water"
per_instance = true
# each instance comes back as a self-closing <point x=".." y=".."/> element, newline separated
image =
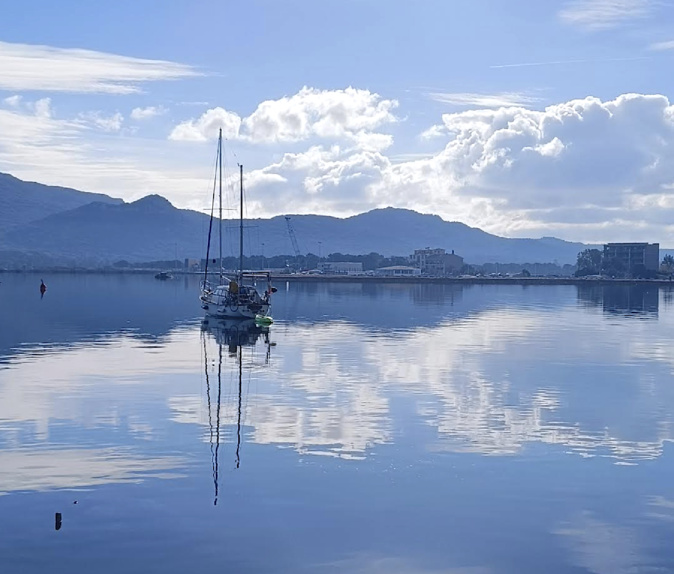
<point x="373" y="429"/>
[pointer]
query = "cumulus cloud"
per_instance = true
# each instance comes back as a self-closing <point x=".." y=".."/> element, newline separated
<point x="572" y="166"/>
<point x="45" y="68"/>
<point x="560" y="154"/>
<point x="207" y="126"/>
<point x="603" y="14"/>
<point x="322" y="113"/>
<point x="147" y="113"/>
<point x="351" y="114"/>
<point x="334" y="178"/>
<point x="585" y="169"/>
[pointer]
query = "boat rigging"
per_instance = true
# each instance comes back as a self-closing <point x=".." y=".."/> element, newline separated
<point x="236" y="298"/>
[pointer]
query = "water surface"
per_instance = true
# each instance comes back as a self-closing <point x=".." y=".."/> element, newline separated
<point x="372" y="429"/>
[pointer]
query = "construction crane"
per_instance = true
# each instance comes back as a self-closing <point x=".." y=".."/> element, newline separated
<point x="293" y="239"/>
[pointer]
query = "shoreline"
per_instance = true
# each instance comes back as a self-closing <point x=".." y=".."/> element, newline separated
<point x="299" y="278"/>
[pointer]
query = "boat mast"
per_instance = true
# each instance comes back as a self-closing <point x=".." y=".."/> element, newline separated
<point x="220" y="184"/>
<point x="241" y="225"/>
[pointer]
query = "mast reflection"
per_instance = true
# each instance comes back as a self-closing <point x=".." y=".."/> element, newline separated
<point x="233" y="334"/>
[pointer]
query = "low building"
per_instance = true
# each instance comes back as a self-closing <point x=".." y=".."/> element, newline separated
<point x="341" y="267"/>
<point x="436" y="261"/>
<point x="398" y="271"/>
<point x="631" y="254"/>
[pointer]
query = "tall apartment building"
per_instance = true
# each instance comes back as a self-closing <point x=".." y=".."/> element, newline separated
<point x="630" y="254"/>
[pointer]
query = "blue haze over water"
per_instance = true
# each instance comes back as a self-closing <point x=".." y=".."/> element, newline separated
<point x="380" y="429"/>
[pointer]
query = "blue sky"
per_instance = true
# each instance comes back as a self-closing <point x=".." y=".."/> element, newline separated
<point x="525" y="118"/>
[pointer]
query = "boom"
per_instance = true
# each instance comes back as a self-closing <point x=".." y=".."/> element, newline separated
<point x="293" y="239"/>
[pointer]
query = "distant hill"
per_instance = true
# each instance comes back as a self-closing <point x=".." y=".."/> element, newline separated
<point x="22" y="201"/>
<point x="100" y="229"/>
<point x="147" y="229"/>
<point x="392" y="231"/>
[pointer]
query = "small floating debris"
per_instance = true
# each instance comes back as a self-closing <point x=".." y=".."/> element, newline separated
<point x="58" y="519"/>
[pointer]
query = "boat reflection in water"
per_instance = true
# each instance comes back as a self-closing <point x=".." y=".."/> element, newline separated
<point x="233" y="334"/>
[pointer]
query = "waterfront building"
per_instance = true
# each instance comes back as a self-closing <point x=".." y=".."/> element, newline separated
<point x="631" y="254"/>
<point x="341" y="267"/>
<point x="436" y="261"/>
<point x="398" y="271"/>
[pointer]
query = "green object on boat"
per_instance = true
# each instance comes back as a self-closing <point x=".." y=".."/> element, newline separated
<point x="264" y="320"/>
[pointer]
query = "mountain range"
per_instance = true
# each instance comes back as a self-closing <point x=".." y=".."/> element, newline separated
<point x="66" y="225"/>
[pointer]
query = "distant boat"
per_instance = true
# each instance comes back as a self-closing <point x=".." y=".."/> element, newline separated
<point x="237" y="297"/>
<point x="163" y="276"/>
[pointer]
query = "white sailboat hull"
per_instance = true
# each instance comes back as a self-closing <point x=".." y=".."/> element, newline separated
<point x="233" y="311"/>
<point x="247" y="303"/>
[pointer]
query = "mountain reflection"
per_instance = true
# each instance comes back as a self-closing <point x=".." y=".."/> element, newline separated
<point x="147" y="310"/>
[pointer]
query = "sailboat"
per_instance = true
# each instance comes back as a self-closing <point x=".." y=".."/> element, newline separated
<point x="236" y="297"/>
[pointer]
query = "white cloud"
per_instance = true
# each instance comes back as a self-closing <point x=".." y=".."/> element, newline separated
<point x="321" y="113"/>
<point x="45" y="68"/>
<point x="207" y="126"/>
<point x="148" y="112"/>
<point x="586" y="169"/>
<point x="111" y="123"/>
<point x="553" y="148"/>
<point x="42" y="108"/>
<point x="328" y="114"/>
<point x="571" y="167"/>
<point x="331" y="179"/>
<point x="662" y="46"/>
<point x="500" y="100"/>
<point x="13" y="101"/>
<point x="559" y="155"/>
<point x="433" y="132"/>
<point x="604" y="14"/>
<point x="66" y="152"/>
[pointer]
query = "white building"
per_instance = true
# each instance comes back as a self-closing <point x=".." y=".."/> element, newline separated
<point x="341" y="267"/>
<point x="398" y="271"/>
